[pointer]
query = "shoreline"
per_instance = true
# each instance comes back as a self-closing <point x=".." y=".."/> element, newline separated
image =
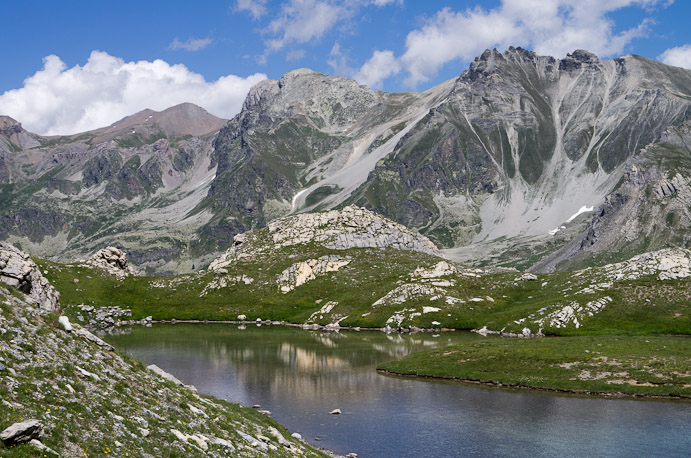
<point x="461" y="380"/>
<point x="514" y="387"/>
<point x="308" y="327"/>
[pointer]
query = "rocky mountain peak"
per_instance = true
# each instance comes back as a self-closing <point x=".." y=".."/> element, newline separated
<point x="577" y="59"/>
<point x="176" y="121"/>
<point x="9" y="126"/>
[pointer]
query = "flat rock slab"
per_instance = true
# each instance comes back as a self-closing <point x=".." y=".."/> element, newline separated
<point x="22" y="432"/>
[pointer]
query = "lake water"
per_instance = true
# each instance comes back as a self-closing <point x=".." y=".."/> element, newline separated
<point x="300" y="376"/>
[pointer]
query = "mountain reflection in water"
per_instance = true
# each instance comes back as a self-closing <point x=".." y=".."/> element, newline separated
<point x="301" y="375"/>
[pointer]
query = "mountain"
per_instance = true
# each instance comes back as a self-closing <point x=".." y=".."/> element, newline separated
<point x="523" y="160"/>
<point x="493" y="165"/>
<point x="134" y="183"/>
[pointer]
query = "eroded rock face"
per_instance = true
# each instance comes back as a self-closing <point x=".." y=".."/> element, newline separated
<point x="352" y="227"/>
<point x="112" y="260"/>
<point x="18" y="270"/>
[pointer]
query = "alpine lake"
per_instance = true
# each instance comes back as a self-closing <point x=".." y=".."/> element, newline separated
<point x="300" y="376"/>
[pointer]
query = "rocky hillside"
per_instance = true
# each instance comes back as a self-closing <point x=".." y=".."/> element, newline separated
<point x="649" y="210"/>
<point x="65" y="392"/>
<point x="499" y="163"/>
<point x="135" y="183"/>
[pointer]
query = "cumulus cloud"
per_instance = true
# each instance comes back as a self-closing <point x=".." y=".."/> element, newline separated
<point x="305" y="21"/>
<point x="552" y="27"/>
<point x="256" y="8"/>
<point x="380" y="66"/>
<point x="192" y="44"/>
<point x="339" y="61"/>
<point x="60" y="100"/>
<point x="295" y="54"/>
<point x="679" y="56"/>
<point x="302" y="21"/>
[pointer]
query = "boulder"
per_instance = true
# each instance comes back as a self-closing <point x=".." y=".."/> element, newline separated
<point x="113" y="260"/>
<point x="22" y="432"/>
<point x="65" y="322"/>
<point x="18" y="270"/>
<point x="526" y="277"/>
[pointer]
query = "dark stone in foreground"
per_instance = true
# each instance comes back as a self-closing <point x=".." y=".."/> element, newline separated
<point x="22" y="432"/>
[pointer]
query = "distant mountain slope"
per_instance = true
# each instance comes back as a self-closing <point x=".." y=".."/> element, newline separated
<point x="133" y="183"/>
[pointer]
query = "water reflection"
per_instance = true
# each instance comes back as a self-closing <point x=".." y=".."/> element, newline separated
<point x="302" y="375"/>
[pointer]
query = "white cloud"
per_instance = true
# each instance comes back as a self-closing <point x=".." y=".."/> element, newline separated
<point x="679" y="56"/>
<point x="381" y="3"/>
<point x="380" y="66"/>
<point x="302" y="21"/>
<point x="192" y="44"/>
<point x="552" y="27"/>
<point x="306" y="21"/>
<point x="339" y="61"/>
<point x="295" y="54"/>
<point x="257" y="8"/>
<point x="61" y="100"/>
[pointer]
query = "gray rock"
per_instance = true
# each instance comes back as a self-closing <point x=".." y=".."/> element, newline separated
<point x="65" y="322"/>
<point x="39" y="445"/>
<point x="22" y="432"/>
<point x="113" y="260"/>
<point x="157" y="370"/>
<point x="21" y="272"/>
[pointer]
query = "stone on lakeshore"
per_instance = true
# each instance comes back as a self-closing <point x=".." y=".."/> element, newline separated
<point x="157" y="370"/>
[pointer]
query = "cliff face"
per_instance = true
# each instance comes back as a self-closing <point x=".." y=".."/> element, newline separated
<point x="650" y="209"/>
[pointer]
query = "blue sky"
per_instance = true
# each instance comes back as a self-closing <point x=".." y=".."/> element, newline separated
<point x="77" y="65"/>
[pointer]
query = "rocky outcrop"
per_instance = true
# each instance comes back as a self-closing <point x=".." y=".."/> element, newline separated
<point x="351" y="227"/>
<point x="113" y="261"/>
<point x="21" y="432"/>
<point x="18" y="270"/>
<point x="301" y="272"/>
<point x="667" y="264"/>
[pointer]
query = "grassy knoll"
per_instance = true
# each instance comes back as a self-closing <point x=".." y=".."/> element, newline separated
<point x="629" y="365"/>
<point x="646" y="305"/>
